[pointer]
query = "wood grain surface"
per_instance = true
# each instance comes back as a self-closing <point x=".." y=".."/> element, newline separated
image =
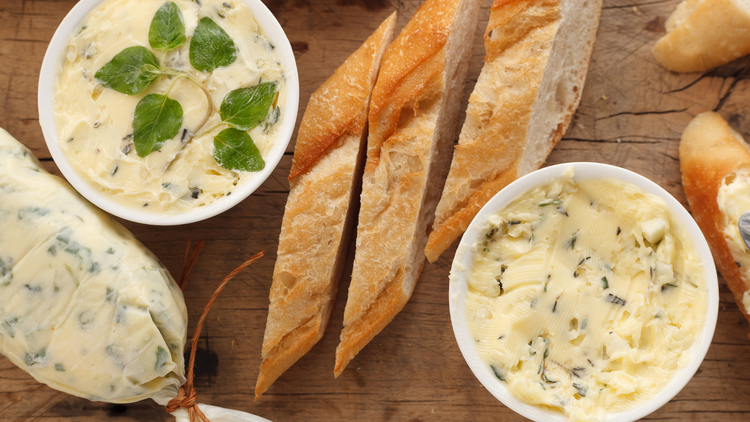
<point x="631" y="115"/>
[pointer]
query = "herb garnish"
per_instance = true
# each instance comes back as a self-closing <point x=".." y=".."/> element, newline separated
<point x="158" y="118"/>
<point x="167" y="29"/>
<point x="235" y="150"/>
<point x="211" y="47"/>
<point x="605" y="283"/>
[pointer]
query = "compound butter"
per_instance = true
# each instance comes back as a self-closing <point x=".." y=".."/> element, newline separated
<point x="733" y="201"/>
<point x="585" y="296"/>
<point x="84" y="307"/>
<point x="94" y="124"/>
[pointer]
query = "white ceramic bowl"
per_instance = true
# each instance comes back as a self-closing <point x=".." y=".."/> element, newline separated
<point x="54" y="58"/>
<point x="462" y="264"/>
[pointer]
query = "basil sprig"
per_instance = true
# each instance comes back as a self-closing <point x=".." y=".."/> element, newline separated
<point x="158" y="118"/>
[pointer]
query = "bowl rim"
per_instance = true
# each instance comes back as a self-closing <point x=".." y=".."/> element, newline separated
<point x="462" y="263"/>
<point x="54" y="57"/>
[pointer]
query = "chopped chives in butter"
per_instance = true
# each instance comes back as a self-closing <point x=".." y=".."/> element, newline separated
<point x="588" y="306"/>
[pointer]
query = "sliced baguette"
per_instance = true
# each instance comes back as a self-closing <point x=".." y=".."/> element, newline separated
<point x="703" y="34"/>
<point x="711" y="154"/>
<point x="529" y="88"/>
<point x="319" y="215"/>
<point x="413" y="114"/>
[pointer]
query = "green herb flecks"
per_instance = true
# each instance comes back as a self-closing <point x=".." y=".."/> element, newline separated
<point x="497" y="373"/>
<point x="667" y="286"/>
<point x="605" y="283"/>
<point x="582" y="389"/>
<point x="162" y="357"/>
<point x="500" y="284"/>
<point x="245" y="108"/>
<point x="130" y="71"/>
<point x="235" y="150"/>
<point x="616" y="300"/>
<point x="167" y="29"/>
<point x="211" y="47"/>
<point x="572" y="242"/>
<point x="158" y="118"/>
<point x="545" y="203"/>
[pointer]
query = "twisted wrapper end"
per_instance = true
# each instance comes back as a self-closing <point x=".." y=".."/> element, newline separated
<point x="187" y="397"/>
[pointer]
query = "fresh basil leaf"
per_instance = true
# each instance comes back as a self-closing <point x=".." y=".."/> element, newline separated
<point x="245" y="108"/>
<point x="167" y="29"/>
<point x="130" y="72"/>
<point x="157" y="119"/>
<point x="211" y="47"/>
<point x="235" y="150"/>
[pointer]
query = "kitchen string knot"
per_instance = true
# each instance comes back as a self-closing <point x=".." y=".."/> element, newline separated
<point x="187" y="398"/>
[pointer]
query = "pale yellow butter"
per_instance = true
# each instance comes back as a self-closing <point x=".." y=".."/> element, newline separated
<point x="94" y="124"/>
<point x="585" y="297"/>
<point x="84" y="307"/>
<point x="733" y="201"/>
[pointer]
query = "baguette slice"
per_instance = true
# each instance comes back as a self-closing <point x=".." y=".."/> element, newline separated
<point x="537" y="57"/>
<point x="703" y="34"/>
<point x="712" y="155"/>
<point x="413" y="114"/>
<point x="318" y="219"/>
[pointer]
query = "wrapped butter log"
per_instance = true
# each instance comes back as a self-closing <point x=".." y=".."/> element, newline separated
<point x="84" y="307"/>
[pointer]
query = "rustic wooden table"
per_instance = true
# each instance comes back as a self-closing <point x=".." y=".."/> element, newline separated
<point x="631" y="115"/>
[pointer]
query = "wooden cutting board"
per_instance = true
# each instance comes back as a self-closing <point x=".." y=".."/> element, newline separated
<point x="631" y="115"/>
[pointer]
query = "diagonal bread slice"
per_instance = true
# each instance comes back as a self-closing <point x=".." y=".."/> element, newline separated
<point x="535" y="67"/>
<point x="413" y="114"/>
<point x="319" y="215"/>
<point x="703" y="34"/>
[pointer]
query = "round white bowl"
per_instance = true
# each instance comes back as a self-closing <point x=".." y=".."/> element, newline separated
<point x="53" y="60"/>
<point x="463" y="261"/>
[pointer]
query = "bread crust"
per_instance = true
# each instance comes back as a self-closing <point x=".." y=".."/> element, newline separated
<point x="412" y="119"/>
<point x="319" y="215"/>
<point x="708" y="154"/>
<point x="715" y="33"/>
<point x="495" y="145"/>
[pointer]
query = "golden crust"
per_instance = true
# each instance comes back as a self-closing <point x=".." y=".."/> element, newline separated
<point x="708" y="154"/>
<point x="414" y="58"/>
<point x="412" y="121"/>
<point x="717" y="32"/>
<point x="494" y="136"/>
<point x="333" y="108"/>
<point x="318" y="217"/>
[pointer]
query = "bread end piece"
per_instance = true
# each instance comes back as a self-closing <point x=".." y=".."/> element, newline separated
<point x="318" y="217"/>
<point x="709" y="153"/>
<point x="705" y="34"/>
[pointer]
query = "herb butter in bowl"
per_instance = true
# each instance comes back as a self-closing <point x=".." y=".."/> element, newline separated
<point x="583" y="292"/>
<point x="168" y="112"/>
